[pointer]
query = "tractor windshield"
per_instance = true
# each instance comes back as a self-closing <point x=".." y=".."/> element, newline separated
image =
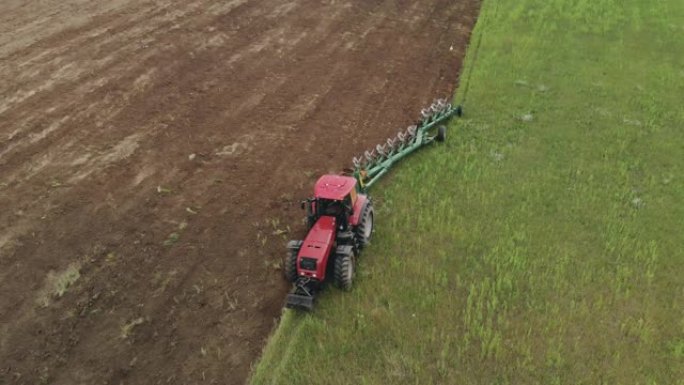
<point x="338" y="209"/>
<point x="330" y="207"/>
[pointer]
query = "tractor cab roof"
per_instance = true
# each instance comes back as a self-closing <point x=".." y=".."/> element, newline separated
<point x="334" y="187"/>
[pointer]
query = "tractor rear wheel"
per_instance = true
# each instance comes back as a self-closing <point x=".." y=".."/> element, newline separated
<point x="364" y="230"/>
<point x="344" y="270"/>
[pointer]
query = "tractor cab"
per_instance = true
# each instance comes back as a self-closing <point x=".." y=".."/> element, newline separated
<point x="334" y="196"/>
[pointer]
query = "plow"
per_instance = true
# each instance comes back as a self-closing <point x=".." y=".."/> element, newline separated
<point x="340" y="215"/>
<point x="373" y="164"/>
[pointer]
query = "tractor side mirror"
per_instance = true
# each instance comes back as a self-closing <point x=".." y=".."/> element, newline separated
<point x="302" y="204"/>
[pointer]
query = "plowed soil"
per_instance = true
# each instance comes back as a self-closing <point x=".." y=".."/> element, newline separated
<point x="152" y="154"/>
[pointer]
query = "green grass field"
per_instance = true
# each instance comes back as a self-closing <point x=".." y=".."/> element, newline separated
<point x="542" y="244"/>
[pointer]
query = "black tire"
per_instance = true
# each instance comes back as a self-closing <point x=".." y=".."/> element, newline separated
<point x="345" y="267"/>
<point x="290" y="267"/>
<point x="364" y="230"/>
<point x="441" y="134"/>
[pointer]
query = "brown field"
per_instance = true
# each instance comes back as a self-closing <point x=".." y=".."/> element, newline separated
<point x="152" y="154"/>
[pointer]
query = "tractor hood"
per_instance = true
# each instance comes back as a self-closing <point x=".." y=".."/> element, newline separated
<point x="317" y="246"/>
<point x="320" y="238"/>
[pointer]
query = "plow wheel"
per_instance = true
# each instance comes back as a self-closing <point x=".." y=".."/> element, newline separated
<point x="345" y="269"/>
<point x="441" y="134"/>
<point x="364" y="231"/>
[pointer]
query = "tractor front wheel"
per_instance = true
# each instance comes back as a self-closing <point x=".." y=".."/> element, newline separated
<point x="364" y="231"/>
<point x="290" y="268"/>
<point x="344" y="270"/>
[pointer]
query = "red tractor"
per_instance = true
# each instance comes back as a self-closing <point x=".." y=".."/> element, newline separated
<point x="340" y="214"/>
<point x="340" y="224"/>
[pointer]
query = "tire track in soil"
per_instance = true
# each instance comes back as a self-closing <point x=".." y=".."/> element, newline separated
<point x="95" y="167"/>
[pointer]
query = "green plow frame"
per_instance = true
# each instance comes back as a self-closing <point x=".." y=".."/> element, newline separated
<point x="372" y="165"/>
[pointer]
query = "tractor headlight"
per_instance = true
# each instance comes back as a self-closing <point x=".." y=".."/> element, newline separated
<point x="307" y="264"/>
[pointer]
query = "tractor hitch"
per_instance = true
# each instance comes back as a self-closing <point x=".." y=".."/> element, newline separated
<point x="299" y="301"/>
<point x="303" y="295"/>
